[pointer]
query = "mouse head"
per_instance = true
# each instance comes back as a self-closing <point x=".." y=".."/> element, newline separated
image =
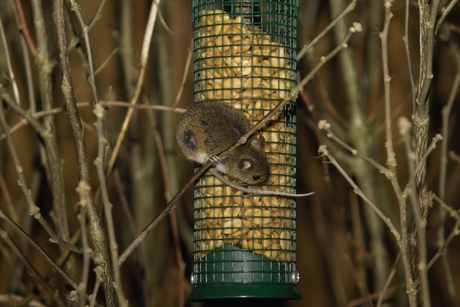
<point x="248" y="162"/>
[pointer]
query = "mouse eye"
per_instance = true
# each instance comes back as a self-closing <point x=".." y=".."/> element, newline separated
<point x="256" y="178"/>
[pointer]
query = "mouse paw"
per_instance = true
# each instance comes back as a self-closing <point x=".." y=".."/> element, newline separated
<point x="214" y="159"/>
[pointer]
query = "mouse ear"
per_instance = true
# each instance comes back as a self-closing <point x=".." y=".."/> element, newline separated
<point x="245" y="164"/>
<point x="188" y="139"/>
<point x="258" y="142"/>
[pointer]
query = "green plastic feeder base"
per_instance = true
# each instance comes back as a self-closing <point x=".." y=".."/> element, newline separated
<point x="232" y="272"/>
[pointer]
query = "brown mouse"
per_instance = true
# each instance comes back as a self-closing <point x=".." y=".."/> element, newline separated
<point x="208" y="128"/>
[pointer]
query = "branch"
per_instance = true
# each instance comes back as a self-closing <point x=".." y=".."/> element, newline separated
<point x="96" y="230"/>
<point x="50" y="155"/>
<point x="87" y="251"/>
<point x="420" y="222"/>
<point x="391" y="160"/>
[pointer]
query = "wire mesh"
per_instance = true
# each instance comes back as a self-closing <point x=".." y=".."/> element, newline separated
<point x="245" y="55"/>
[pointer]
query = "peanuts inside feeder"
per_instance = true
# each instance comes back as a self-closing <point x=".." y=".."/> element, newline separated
<point x="244" y="244"/>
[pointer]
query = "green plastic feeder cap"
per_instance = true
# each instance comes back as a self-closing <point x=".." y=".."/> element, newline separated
<point x="232" y="272"/>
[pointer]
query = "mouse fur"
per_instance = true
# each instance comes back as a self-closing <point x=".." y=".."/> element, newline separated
<point x="208" y="128"/>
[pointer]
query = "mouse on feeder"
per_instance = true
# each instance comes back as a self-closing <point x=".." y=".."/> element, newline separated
<point x="208" y="128"/>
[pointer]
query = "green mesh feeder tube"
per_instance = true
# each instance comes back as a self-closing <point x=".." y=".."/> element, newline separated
<point x="245" y="244"/>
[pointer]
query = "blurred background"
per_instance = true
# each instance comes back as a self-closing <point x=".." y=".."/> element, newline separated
<point x="345" y="252"/>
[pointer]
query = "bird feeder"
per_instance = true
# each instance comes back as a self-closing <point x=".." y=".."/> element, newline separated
<point x="244" y="243"/>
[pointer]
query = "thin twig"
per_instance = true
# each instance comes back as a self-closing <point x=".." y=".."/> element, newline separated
<point x="27" y="116"/>
<point x="359" y="131"/>
<point x="440" y="240"/>
<point x="34" y="210"/>
<point x="171" y="205"/>
<point x="97" y="15"/>
<point x="454" y="157"/>
<point x="92" y="82"/>
<point x="455" y="230"/>
<point x="143" y="65"/>
<point x="443" y="160"/>
<point x="428" y="151"/>
<point x="128" y="54"/>
<point x="29" y="76"/>
<point x="307" y="47"/>
<point x="407" y="50"/>
<point x="31" y="269"/>
<point x="76" y="9"/>
<point x="358" y="265"/>
<point x="168" y="184"/>
<point x="42" y="252"/>
<point x="442" y="250"/>
<point x="121" y="191"/>
<point x="100" y="114"/>
<point x="389" y="279"/>
<point x="391" y="160"/>
<point x="106" y="61"/>
<point x="375" y="295"/>
<point x="356" y="28"/>
<point x="9" y="202"/>
<point x="99" y="279"/>
<point x="326" y="102"/>
<point x="324" y="125"/>
<point x="24" y="27"/>
<point x="184" y="75"/>
<point x="12" y="79"/>
<point x="445" y="11"/>
<point x="323" y="151"/>
<point x="38" y="127"/>
<point x="167" y="144"/>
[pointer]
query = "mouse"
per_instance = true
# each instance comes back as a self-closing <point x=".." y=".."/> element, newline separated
<point x="208" y="128"/>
